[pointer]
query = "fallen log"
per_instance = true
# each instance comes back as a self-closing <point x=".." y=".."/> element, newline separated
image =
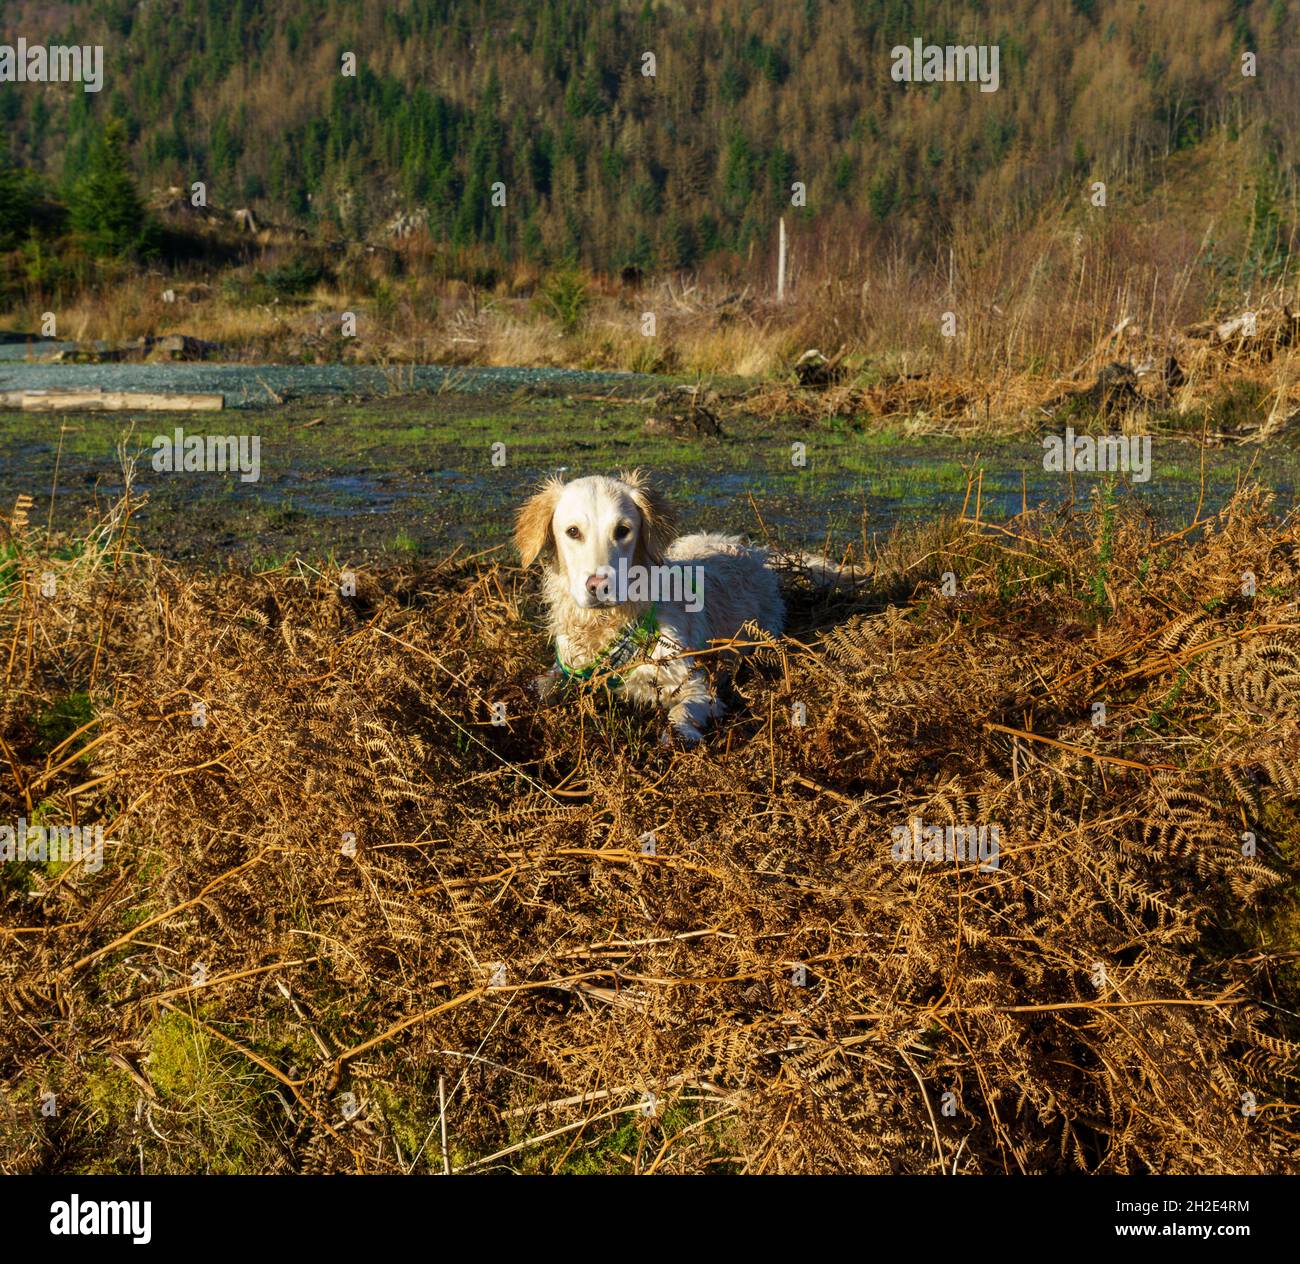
<point x="63" y="401"/>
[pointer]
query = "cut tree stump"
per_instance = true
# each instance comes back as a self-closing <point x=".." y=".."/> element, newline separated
<point x="814" y="371"/>
<point x="684" y="412"/>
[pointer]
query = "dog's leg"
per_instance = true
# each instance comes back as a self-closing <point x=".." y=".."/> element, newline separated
<point x="682" y="690"/>
<point x="688" y="716"/>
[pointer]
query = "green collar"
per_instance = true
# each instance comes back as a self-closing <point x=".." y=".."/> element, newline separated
<point x="635" y="638"/>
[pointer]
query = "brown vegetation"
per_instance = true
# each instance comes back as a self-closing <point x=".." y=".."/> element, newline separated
<point x="1038" y="312"/>
<point x="764" y="989"/>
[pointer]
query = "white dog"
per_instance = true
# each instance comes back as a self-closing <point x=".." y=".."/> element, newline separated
<point x="623" y="590"/>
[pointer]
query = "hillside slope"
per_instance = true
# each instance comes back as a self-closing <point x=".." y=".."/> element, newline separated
<point x="609" y="166"/>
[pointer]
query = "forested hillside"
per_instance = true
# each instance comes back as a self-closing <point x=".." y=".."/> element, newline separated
<point x="607" y="166"/>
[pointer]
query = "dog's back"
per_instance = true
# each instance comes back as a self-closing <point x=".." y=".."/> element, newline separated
<point x="739" y="587"/>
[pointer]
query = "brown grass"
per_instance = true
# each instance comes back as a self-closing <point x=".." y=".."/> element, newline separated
<point x="768" y="990"/>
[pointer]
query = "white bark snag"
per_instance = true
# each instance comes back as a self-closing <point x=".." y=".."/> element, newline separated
<point x="780" y="266"/>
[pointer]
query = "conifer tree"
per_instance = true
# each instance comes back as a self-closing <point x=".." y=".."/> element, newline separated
<point x="15" y="200"/>
<point x="105" y="208"/>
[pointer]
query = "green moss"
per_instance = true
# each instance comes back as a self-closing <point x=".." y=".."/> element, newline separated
<point x="58" y="722"/>
<point x="109" y="1096"/>
<point x="216" y="1096"/>
<point x="612" y="1147"/>
<point x="412" y="1116"/>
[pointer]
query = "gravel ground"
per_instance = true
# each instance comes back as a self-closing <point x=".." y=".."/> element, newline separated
<point x="250" y="386"/>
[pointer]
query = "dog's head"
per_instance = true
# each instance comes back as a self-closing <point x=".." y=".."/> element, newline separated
<point x="583" y="529"/>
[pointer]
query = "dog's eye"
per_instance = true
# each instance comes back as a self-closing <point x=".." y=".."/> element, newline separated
<point x="573" y="533"/>
<point x="622" y="531"/>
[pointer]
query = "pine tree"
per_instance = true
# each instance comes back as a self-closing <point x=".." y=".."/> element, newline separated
<point x="105" y="208"/>
<point x="15" y="201"/>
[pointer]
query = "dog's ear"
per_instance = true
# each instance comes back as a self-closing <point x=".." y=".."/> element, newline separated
<point x="658" y="522"/>
<point x="533" y="533"/>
